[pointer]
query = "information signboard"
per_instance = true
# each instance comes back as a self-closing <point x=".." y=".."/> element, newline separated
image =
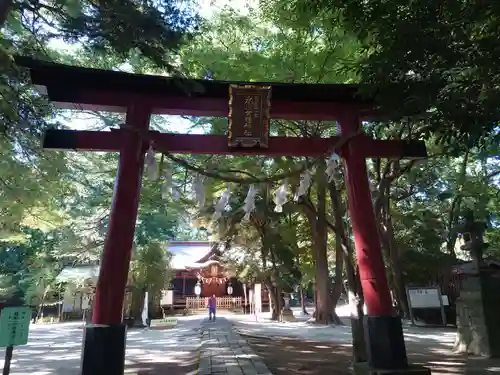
<point x="167" y="298"/>
<point x="424" y="298"/>
<point x="14" y="326"/>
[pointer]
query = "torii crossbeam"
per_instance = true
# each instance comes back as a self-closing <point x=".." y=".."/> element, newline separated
<point x="141" y="96"/>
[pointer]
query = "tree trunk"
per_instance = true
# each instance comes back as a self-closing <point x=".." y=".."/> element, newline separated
<point x="338" y="213"/>
<point x="271" y="305"/>
<point x="42" y="303"/>
<point x="391" y="252"/>
<point x="356" y="300"/>
<point x="396" y="267"/>
<point x="136" y="305"/>
<point x="277" y="289"/>
<point x="274" y="293"/>
<point x="323" y="314"/>
<point x="303" y="302"/>
<point x="337" y="283"/>
<point x="356" y="304"/>
<point x="389" y="245"/>
<point x="455" y="208"/>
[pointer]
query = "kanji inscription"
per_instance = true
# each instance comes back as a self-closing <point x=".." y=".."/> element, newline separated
<point x="249" y="115"/>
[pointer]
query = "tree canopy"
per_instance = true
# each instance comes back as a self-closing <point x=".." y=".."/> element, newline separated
<point x="435" y="63"/>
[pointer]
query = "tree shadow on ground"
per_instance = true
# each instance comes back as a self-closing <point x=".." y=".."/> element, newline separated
<point x="185" y="365"/>
<point x="290" y="356"/>
<point x="304" y="357"/>
<point x="56" y="350"/>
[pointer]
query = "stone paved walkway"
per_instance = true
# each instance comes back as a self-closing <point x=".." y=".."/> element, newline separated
<point x="224" y="352"/>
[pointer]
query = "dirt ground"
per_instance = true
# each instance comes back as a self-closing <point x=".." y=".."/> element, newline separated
<point x="285" y="356"/>
<point x="189" y="367"/>
<point x="183" y="364"/>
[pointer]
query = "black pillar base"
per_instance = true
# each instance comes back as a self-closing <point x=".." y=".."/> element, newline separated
<point x="103" y="350"/>
<point x="385" y="343"/>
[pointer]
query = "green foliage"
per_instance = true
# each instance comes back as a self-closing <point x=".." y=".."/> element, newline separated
<point x="152" y="29"/>
<point x="433" y="60"/>
<point x="150" y="268"/>
<point x="31" y="265"/>
<point x="111" y="31"/>
<point x="7" y="287"/>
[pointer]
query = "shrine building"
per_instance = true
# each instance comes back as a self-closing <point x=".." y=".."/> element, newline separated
<point x="193" y="262"/>
<point x="199" y="262"/>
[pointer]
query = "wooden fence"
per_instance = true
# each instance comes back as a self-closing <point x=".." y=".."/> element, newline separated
<point x="197" y="303"/>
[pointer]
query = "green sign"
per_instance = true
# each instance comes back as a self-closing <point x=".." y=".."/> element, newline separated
<point x="164" y="322"/>
<point x="14" y="326"/>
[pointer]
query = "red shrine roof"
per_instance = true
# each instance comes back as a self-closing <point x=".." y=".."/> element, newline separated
<point x="81" y="88"/>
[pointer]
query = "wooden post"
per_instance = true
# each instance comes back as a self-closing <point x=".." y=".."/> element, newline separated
<point x="183" y="284"/>
<point x="245" y="295"/>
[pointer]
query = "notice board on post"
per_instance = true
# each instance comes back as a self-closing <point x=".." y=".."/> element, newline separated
<point x="167" y="298"/>
<point x="14" y="326"/>
<point x="426" y="298"/>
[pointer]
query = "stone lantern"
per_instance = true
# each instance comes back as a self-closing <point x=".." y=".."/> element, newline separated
<point x="478" y="305"/>
<point x="473" y="235"/>
<point x="287" y="313"/>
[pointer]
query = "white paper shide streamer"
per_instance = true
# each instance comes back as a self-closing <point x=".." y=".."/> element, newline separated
<point x="168" y="186"/>
<point x="167" y="183"/>
<point x="145" y="313"/>
<point x="151" y="168"/>
<point x="249" y="205"/>
<point x="331" y="166"/>
<point x="281" y="197"/>
<point x="222" y="203"/>
<point x="199" y="190"/>
<point x="305" y="183"/>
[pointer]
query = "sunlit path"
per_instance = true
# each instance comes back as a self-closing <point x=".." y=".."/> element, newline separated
<point x="56" y="349"/>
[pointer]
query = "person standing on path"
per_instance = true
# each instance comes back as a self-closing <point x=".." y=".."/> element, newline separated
<point x="212" y="303"/>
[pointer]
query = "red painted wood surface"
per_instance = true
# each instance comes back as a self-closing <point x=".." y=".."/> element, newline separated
<point x="113" y="273"/>
<point x="209" y="289"/>
<point x="366" y="237"/>
<point x="210" y="107"/>
<point x="104" y="90"/>
<point x="217" y="144"/>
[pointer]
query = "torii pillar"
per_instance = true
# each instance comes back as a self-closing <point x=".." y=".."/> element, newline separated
<point x="383" y="327"/>
<point x="104" y="340"/>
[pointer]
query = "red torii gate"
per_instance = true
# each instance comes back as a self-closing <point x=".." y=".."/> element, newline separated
<point x="140" y="96"/>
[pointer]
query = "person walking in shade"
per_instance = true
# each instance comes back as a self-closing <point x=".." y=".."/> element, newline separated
<point x="212" y="303"/>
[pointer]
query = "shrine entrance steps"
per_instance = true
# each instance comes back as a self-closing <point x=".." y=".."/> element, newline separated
<point x="224" y="352"/>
